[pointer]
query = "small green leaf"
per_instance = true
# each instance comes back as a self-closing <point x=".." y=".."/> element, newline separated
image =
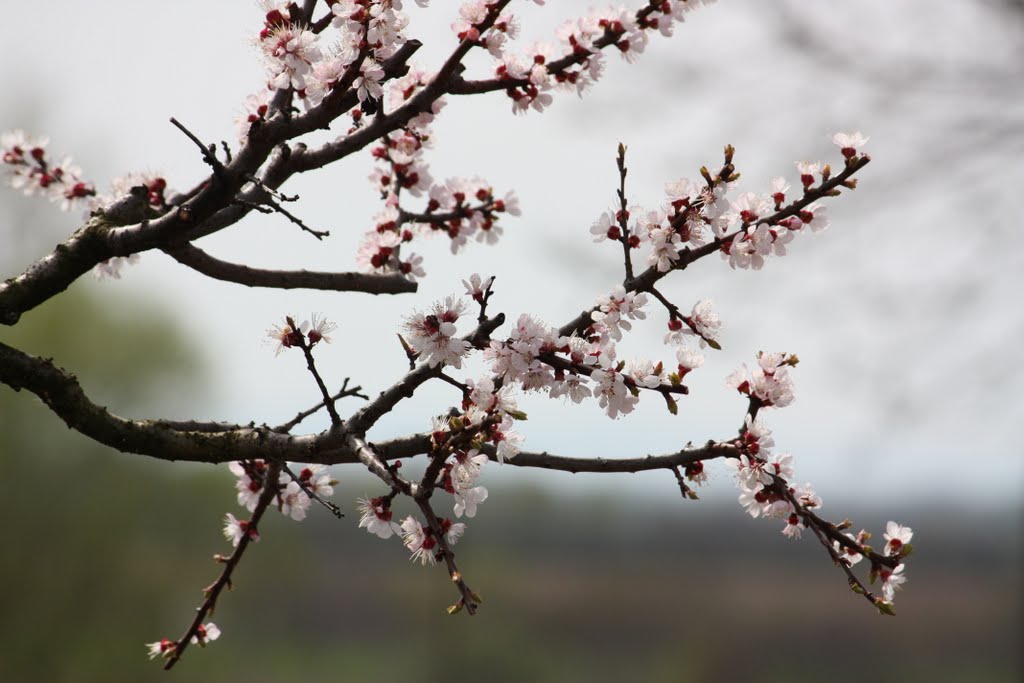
<point x="713" y="344"/>
<point x="886" y="608"/>
<point x="673" y="405"/>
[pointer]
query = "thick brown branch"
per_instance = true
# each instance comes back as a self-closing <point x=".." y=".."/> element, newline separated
<point x="201" y="262"/>
<point x="645" y="463"/>
<point x="221" y="443"/>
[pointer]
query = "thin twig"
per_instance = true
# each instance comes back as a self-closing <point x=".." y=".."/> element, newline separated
<point x="300" y="341"/>
<point x="623" y="213"/>
<point x="270" y="490"/>
<point x="344" y="392"/>
<point x="469" y="600"/>
<point x="319" y="234"/>
<point x="313" y="495"/>
<point x="687" y="492"/>
<point x="209" y="151"/>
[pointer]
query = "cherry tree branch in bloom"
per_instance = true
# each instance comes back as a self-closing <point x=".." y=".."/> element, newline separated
<point x="313" y="495"/>
<point x="468" y="599"/>
<point x="628" y="241"/>
<point x="306" y="342"/>
<point x="363" y="85"/>
<point x="204" y="210"/>
<point x="611" y="33"/>
<point x="830" y="187"/>
<point x="213" y="591"/>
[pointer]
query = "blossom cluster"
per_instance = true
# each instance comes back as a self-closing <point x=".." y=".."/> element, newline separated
<point x="763" y="477"/>
<point x="459" y="208"/>
<point x="165" y="648"/>
<point x="575" y="61"/>
<point x="748" y="227"/>
<point x="291" y="497"/>
<point x="769" y="382"/>
<point x="424" y="543"/>
<point x="311" y="332"/>
<point x="30" y="170"/>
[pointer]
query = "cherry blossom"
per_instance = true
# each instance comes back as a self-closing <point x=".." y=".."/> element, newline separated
<point x="697" y="473"/>
<point x="419" y="540"/>
<point x="849" y="143"/>
<point x="237" y="529"/>
<point x="704" y="322"/>
<point x="612" y="393"/>
<point x="507" y="440"/>
<point x="112" y="267"/>
<point x="293" y="502"/>
<point x="290" y="50"/>
<point x="476" y="287"/>
<point x="467" y="499"/>
<point x="432" y="335"/>
<point x="848" y="554"/>
<point x="807" y="171"/>
<point x="794" y="526"/>
<point x="615" y="310"/>
<point x="161" y="648"/>
<point x="770" y="382"/>
<point x="343" y="70"/>
<point x="376" y="517"/>
<point x="892" y="580"/>
<point x="250" y="481"/>
<point x="896" y="537"/>
<point x="206" y="633"/>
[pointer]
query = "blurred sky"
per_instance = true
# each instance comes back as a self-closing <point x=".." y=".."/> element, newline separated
<point x="906" y="314"/>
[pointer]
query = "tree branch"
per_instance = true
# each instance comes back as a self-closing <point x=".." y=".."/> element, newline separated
<point x="201" y="262"/>
<point x="224" y="580"/>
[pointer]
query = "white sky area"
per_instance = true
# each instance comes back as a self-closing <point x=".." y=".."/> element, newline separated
<point x="906" y="314"/>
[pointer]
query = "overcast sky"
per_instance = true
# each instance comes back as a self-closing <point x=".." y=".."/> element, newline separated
<point x="906" y="313"/>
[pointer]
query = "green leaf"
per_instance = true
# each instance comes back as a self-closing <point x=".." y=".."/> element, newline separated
<point x="886" y="608"/>
<point x="673" y="405"/>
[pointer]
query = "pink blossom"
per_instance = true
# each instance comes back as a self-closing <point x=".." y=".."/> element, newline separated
<point x="376" y="517"/>
<point x="896" y="536"/>
<point x="849" y="143"/>
<point x="432" y="335"/>
<point x="237" y="529"/>
<point x="205" y="633"/>
<point x="892" y="580"/>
